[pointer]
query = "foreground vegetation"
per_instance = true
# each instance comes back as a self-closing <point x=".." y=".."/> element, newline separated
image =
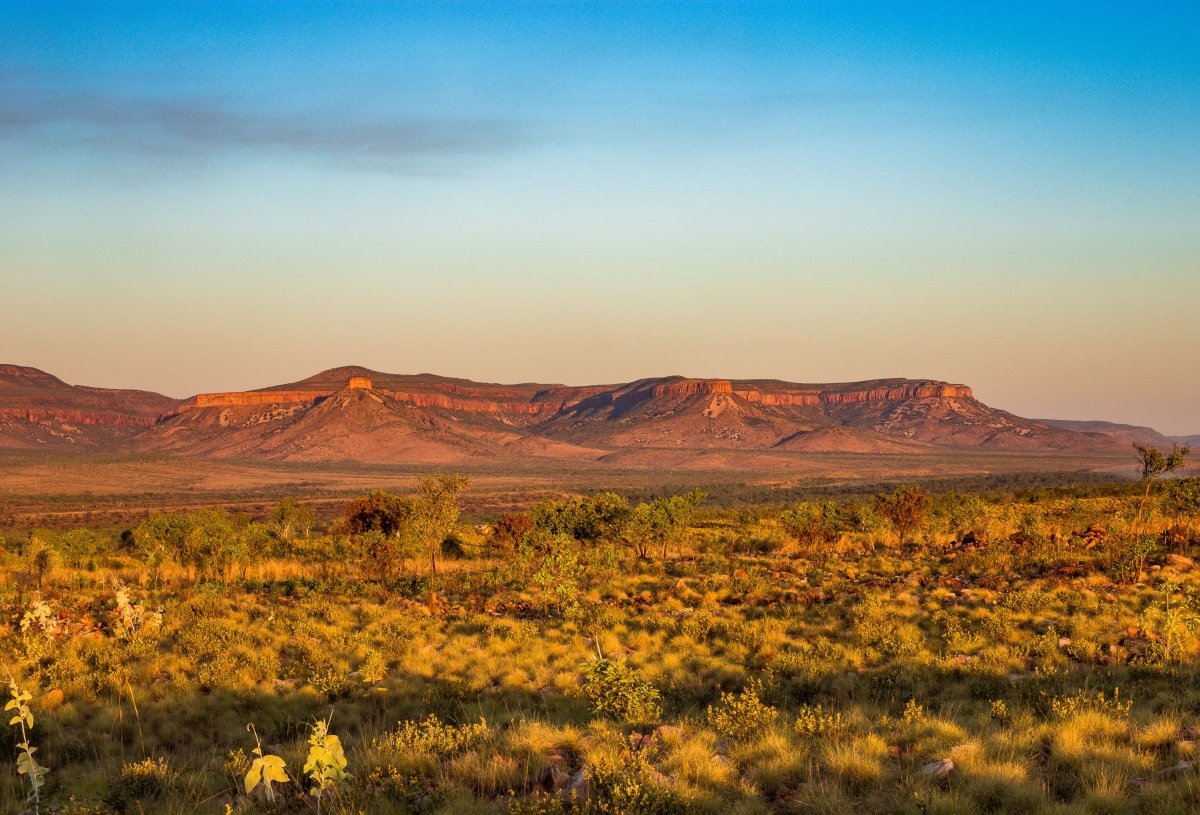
<point x="902" y="652"/>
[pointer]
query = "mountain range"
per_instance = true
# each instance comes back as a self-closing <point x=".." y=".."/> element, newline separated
<point x="355" y="414"/>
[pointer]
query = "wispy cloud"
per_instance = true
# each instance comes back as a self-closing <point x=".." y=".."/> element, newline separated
<point x="208" y="124"/>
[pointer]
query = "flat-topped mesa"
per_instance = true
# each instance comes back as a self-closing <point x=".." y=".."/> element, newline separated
<point x="250" y="398"/>
<point x="808" y="398"/>
<point x="511" y="402"/>
<point x="914" y="390"/>
<point x="478" y="404"/>
<point x="692" y="387"/>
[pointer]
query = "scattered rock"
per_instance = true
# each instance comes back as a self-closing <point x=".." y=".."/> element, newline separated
<point x="640" y="741"/>
<point x="1179" y="561"/>
<point x="938" y="769"/>
<point x="578" y="787"/>
<point x="1183" y="766"/>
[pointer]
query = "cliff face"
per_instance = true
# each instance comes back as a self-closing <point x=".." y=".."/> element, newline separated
<point x="80" y="417"/>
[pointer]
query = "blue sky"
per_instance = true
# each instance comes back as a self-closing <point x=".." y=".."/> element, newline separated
<point x="212" y="196"/>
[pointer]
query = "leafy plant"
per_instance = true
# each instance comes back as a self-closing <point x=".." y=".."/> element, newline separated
<point x="433" y="737"/>
<point x="815" y="723"/>
<point x="742" y="714"/>
<point x="906" y="509"/>
<point x="265" y="770"/>
<point x="139" y="781"/>
<point x="1154" y="465"/>
<point x="615" y="690"/>
<point x="27" y="765"/>
<point x="326" y="762"/>
<point x="39" y="618"/>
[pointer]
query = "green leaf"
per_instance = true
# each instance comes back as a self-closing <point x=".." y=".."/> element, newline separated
<point x="274" y="769"/>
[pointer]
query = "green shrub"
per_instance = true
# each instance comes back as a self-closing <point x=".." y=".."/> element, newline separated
<point x="616" y="691"/>
<point x="815" y="723"/>
<point x="742" y="714"/>
<point x="139" y="782"/>
<point x="433" y="737"/>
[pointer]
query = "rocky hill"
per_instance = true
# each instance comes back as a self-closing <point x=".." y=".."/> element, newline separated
<point x="40" y="411"/>
<point x="352" y="413"/>
<point x="355" y="414"/>
<point x="1133" y="434"/>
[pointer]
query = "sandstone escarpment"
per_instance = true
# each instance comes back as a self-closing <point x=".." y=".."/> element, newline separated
<point x="692" y="387"/>
<point x="86" y="418"/>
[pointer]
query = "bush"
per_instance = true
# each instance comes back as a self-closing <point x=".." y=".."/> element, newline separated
<point x="433" y="737"/>
<point x="815" y="723"/>
<point x="615" y="690"/>
<point x="742" y="714"/>
<point x="138" y="782"/>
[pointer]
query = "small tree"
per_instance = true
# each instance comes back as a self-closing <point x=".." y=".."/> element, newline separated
<point x="813" y="525"/>
<point x="377" y="510"/>
<point x="1182" y="500"/>
<point x="41" y="557"/>
<point x="435" y="511"/>
<point x="1155" y="465"/>
<point x="659" y="522"/>
<point x="510" y="531"/>
<point x="162" y="538"/>
<point x="906" y="509"/>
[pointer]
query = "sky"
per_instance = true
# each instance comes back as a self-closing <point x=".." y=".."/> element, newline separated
<point x="219" y="196"/>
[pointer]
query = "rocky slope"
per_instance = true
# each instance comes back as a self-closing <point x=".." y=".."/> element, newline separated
<point x="40" y="411"/>
<point x="1132" y="434"/>
<point x="352" y="413"/>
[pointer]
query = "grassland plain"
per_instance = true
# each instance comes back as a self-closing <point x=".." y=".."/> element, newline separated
<point x="1008" y="651"/>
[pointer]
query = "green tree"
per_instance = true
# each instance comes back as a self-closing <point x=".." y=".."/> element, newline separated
<point x="1154" y="465"/>
<point x="252" y="544"/>
<point x="79" y="546"/>
<point x="814" y="525"/>
<point x="41" y="556"/>
<point x="906" y="509"/>
<point x="1181" y="500"/>
<point x="289" y="518"/>
<point x="958" y="512"/>
<point x="591" y="519"/>
<point x="378" y="510"/>
<point x="435" y="511"/>
<point x="658" y="522"/>
<point x="162" y="538"/>
<point x="213" y="544"/>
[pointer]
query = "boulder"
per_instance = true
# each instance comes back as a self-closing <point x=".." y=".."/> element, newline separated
<point x="942" y="768"/>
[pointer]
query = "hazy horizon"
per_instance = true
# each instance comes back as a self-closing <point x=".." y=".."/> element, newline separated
<point x="229" y="196"/>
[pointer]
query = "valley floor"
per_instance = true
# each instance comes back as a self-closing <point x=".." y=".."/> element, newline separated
<point x="1042" y="668"/>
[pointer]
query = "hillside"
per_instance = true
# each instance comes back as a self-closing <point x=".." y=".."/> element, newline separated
<point x="1134" y="434"/>
<point x="40" y="411"/>
<point x="355" y="414"/>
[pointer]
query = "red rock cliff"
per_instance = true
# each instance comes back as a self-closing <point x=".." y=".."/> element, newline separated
<point x="80" y="417"/>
